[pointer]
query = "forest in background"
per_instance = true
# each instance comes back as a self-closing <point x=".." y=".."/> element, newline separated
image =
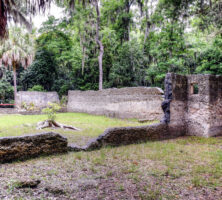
<point x="142" y="40"/>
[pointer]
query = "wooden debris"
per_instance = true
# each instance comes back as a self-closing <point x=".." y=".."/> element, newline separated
<point x="54" y="124"/>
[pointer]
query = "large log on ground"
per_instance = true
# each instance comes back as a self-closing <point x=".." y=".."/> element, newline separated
<point x="30" y="146"/>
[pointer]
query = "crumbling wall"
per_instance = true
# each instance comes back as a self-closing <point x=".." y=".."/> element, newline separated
<point x="138" y="102"/>
<point x="39" y="99"/>
<point x="175" y="103"/>
<point x="25" y="147"/>
<point x="127" y="135"/>
<point x="194" y="106"/>
<point x="204" y="110"/>
<point x="215" y="90"/>
<point x="8" y="111"/>
<point x="198" y="113"/>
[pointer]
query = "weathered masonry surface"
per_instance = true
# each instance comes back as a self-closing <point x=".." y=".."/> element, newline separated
<point x="39" y="99"/>
<point x="127" y="135"/>
<point x="193" y="104"/>
<point x="136" y="102"/>
<point x="8" y="111"/>
<point x="30" y="146"/>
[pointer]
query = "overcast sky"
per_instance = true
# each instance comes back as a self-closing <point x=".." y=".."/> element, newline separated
<point x="54" y="10"/>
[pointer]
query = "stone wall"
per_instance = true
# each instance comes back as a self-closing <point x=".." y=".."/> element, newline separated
<point x="175" y="103"/>
<point x="215" y="105"/>
<point x="8" y="111"/>
<point x="204" y="113"/>
<point x="195" y="104"/>
<point x="198" y="113"/>
<point x="31" y="146"/>
<point x="138" y="102"/>
<point x="25" y="147"/>
<point x="39" y="99"/>
<point x="128" y="135"/>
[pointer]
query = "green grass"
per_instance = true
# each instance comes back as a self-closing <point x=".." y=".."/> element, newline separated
<point x="172" y="169"/>
<point x="91" y="126"/>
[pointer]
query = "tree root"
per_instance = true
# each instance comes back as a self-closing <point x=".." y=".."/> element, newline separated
<point x="54" y="124"/>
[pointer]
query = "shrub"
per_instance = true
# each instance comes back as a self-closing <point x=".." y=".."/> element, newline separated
<point x="51" y="111"/>
<point x="64" y="100"/>
<point x="28" y="107"/>
<point x="6" y="92"/>
<point x="37" y="88"/>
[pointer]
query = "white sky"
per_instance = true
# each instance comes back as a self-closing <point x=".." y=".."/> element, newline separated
<point x="54" y="10"/>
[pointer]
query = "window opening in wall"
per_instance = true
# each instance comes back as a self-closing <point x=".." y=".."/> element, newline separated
<point x="194" y="89"/>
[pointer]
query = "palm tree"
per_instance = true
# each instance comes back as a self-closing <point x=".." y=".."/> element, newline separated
<point x="17" y="50"/>
<point x="17" y="10"/>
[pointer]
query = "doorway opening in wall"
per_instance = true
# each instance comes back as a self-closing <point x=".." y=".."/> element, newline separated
<point x="194" y="89"/>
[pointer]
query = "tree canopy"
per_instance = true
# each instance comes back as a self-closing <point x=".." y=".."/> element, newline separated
<point x="141" y="41"/>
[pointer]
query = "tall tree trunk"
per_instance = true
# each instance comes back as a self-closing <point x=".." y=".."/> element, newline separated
<point x="126" y="20"/>
<point x="210" y="2"/>
<point x="201" y="6"/>
<point x="82" y="44"/>
<point x="101" y="47"/>
<point x="146" y="33"/>
<point x="15" y="80"/>
<point x="3" y="19"/>
<point x="148" y="24"/>
<point x="83" y="58"/>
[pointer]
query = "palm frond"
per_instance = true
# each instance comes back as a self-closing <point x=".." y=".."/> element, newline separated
<point x="18" y="17"/>
<point x="11" y="9"/>
<point x="17" y="49"/>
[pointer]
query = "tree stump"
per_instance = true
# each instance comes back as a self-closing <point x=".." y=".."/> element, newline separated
<point x="54" y="124"/>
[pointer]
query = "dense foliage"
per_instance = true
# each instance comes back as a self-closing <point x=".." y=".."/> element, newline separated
<point x="142" y="40"/>
<point x="6" y="88"/>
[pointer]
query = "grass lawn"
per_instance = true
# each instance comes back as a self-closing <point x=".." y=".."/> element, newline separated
<point x="184" y="168"/>
<point x="91" y="126"/>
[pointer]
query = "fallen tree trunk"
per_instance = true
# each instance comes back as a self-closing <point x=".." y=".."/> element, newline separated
<point x="54" y="124"/>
